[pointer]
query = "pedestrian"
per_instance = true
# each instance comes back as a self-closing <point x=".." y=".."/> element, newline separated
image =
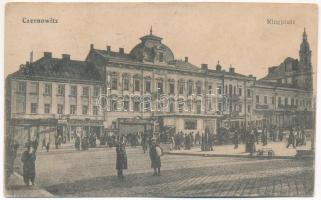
<point x="155" y="152"/>
<point x="252" y="148"/>
<point x="236" y="139"/>
<point x="291" y="139"/>
<point x="121" y="158"/>
<point x="281" y="134"/>
<point x="28" y="159"/>
<point x="77" y="142"/>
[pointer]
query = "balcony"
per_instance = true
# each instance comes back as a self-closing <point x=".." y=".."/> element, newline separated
<point x="288" y="107"/>
<point x="258" y="106"/>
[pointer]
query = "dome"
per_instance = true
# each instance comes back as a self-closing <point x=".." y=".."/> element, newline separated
<point x="151" y="49"/>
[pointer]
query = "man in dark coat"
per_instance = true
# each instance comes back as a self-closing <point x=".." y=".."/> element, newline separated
<point x="236" y="139"/>
<point x="28" y="159"/>
<point x="251" y="142"/>
<point x="291" y="139"/>
<point x="155" y="158"/>
<point x="121" y="159"/>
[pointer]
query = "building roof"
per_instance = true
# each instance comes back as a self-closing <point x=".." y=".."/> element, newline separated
<point x="289" y="65"/>
<point x="61" y="68"/>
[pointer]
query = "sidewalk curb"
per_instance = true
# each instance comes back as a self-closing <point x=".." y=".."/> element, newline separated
<point x="42" y="193"/>
<point x="235" y="156"/>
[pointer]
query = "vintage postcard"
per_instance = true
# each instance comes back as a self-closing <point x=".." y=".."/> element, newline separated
<point x="160" y="99"/>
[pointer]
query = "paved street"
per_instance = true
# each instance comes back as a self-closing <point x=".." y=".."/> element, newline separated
<point x="92" y="173"/>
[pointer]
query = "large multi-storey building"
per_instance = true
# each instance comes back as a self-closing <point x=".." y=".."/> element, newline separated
<point x="147" y="87"/>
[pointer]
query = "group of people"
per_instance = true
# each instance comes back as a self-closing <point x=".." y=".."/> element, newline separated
<point x="155" y="153"/>
<point x="183" y="140"/>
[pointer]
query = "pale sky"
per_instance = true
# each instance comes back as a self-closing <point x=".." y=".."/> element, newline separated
<point x="236" y="34"/>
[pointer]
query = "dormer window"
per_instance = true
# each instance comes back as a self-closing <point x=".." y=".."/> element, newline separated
<point x="161" y="57"/>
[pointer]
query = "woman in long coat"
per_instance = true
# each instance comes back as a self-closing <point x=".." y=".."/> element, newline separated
<point x="28" y="159"/>
<point x="121" y="159"/>
<point x="155" y="158"/>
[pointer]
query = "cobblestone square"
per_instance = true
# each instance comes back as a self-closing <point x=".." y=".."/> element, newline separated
<point x="72" y="173"/>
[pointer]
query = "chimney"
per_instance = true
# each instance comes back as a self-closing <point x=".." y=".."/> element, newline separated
<point x="31" y="57"/>
<point x="47" y="54"/>
<point x="218" y="68"/>
<point x="27" y="64"/>
<point x="204" y="66"/>
<point x="65" y="57"/>
<point x="108" y="49"/>
<point x="251" y="76"/>
<point x="121" y="51"/>
<point x="232" y="69"/>
<point x="186" y="59"/>
<point x="91" y="46"/>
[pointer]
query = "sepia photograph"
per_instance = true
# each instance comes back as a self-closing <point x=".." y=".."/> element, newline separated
<point x="170" y="100"/>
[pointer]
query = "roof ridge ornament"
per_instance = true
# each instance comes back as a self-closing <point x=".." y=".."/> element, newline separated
<point x="151" y="30"/>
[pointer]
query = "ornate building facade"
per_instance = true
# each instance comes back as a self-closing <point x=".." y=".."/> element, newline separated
<point x="115" y="91"/>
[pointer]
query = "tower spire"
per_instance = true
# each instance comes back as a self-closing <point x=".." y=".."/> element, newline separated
<point x="151" y="30"/>
<point x="304" y="34"/>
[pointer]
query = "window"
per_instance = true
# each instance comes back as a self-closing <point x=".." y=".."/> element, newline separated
<point x="137" y="85"/>
<point x="61" y="90"/>
<point x="257" y="99"/>
<point x="297" y="102"/>
<point x="189" y="105"/>
<point x="21" y="87"/>
<point x="248" y="93"/>
<point x="230" y="89"/>
<point x="136" y="106"/>
<point x="286" y="101"/>
<point x="114" y="104"/>
<point x="199" y="88"/>
<point x="125" y="83"/>
<point x="190" y="124"/>
<point x="190" y="87"/>
<point x="171" y="88"/>
<point x="96" y="91"/>
<point x="84" y="110"/>
<point x="73" y="109"/>
<point x="292" y="101"/>
<point x="279" y="101"/>
<point x="60" y="109"/>
<point x="85" y="91"/>
<point x="240" y="108"/>
<point x="181" y="87"/>
<point x="114" y="82"/>
<point x="180" y="105"/>
<point x="265" y="99"/>
<point x="34" y="88"/>
<point x="147" y="106"/>
<point x="160" y="87"/>
<point x="249" y="108"/>
<point x="234" y="91"/>
<point x="240" y="91"/>
<point x="126" y="104"/>
<point x="225" y="89"/>
<point x="47" y="108"/>
<point x="219" y="89"/>
<point x="272" y="100"/>
<point x="95" y="110"/>
<point x="209" y="89"/>
<point x="34" y="107"/>
<point x="219" y="106"/>
<point x="48" y="87"/>
<point x="73" y="90"/>
<point x="161" y="57"/>
<point x="147" y="86"/>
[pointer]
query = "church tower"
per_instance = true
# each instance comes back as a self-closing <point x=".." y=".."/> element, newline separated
<point x="305" y="54"/>
<point x="304" y="77"/>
